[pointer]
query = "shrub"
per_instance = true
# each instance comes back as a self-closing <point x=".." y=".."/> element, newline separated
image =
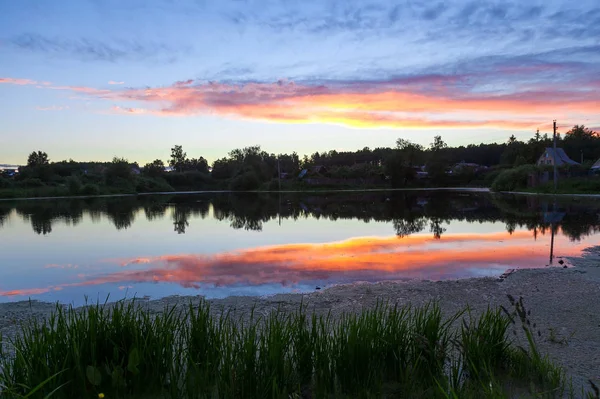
<point x="273" y="185"/>
<point x="90" y="189"/>
<point x="74" y="185"/>
<point x="120" y="185"/>
<point x="5" y="183"/>
<point x="31" y="183"/>
<point x="191" y="180"/>
<point x="119" y="168"/>
<point x="245" y="182"/>
<point x="150" y="185"/>
<point x="512" y="179"/>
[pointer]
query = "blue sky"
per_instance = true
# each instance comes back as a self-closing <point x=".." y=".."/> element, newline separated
<point x="93" y="79"/>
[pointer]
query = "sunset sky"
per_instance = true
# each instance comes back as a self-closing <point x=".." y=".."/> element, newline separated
<point x="93" y="79"/>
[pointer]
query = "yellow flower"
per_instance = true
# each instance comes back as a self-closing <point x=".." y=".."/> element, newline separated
<point x="101" y="395"/>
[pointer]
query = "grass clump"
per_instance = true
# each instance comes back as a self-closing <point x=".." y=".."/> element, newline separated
<point x="125" y="351"/>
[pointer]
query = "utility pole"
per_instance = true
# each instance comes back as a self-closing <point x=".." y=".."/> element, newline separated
<point x="279" y="180"/>
<point x="279" y="173"/>
<point x="554" y="159"/>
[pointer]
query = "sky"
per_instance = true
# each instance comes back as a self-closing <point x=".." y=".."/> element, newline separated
<point x="93" y="79"/>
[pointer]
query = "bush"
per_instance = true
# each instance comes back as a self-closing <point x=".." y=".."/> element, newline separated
<point x="191" y="180"/>
<point x="5" y="183"/>
<point x="150" y="185"/>
<point x="245" y="182"/>
<point x="119" y="168"/>
<point x="31" y="183"/>
<point x="512" y="179"/>
<point x="273" y="185"/>
<point x="74" y="185"/>
<point x="90" y="189"/>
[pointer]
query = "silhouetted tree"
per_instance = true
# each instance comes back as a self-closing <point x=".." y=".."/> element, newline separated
<point x="438" y="164"/>
<point x="581" y="141"/>
<point x="119" y="168"/>
<point x="178" y="158"/>
<point x="37" y="158"/>
<point x="155" y="168"/>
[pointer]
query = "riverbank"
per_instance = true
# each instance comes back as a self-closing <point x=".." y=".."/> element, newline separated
<point x="534" y="193"/>
<point x="564" y="304"/>
<point x="308" y="191"/>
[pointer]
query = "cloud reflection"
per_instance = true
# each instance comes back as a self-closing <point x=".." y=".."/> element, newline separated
<point x="356" y="259"/>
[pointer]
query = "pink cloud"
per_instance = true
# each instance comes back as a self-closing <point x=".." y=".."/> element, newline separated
<point x="130" y="111"/>
<point x="20" y="82"/>
<point x="53" y="108"/>
<point x="112" y="82"/>
<point x="429" y="101"/>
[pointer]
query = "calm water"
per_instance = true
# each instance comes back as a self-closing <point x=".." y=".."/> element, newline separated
<point x="221" y="245"/>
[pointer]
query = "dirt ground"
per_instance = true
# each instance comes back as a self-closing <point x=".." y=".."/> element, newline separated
<point x="564" y="303"/>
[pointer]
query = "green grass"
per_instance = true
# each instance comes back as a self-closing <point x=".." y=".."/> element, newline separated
<point x="124" y="351"/>
<point x="574" y="185"/>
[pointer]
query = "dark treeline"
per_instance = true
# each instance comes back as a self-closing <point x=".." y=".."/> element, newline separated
<point x="409" y="212"/>
<point x="405" y="165"/>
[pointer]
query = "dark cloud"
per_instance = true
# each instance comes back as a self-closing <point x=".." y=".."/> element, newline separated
<point x="95" y="50"/>
<point x="434" y="12"/>
<point x="394" y="14"/>
<point x="531" y="12"/>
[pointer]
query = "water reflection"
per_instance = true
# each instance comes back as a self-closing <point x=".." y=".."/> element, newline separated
<point x="208" y="244"/>
<point x="358" y="259"/>
<point x="409" y="212"/>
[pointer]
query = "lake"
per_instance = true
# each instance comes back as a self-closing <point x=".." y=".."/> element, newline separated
<point x="225" y="244"/>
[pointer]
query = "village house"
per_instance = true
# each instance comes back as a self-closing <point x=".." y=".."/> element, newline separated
<point x="549" y="157"/>
<point x="595" y="167"/>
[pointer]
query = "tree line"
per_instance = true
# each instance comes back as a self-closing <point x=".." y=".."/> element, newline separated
<point x="252" y="168"/>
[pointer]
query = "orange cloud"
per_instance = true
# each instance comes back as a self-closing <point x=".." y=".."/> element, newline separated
<point x="362" y="106"/>
<point x="419" y="102"/>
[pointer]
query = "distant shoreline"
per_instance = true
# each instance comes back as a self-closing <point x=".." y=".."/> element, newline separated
<point x="465" y="189"/>
<point x="551" y="194"/>
<point x="326" y="190"/>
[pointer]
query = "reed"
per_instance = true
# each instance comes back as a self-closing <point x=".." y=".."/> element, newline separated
<point x="123" y="350"/>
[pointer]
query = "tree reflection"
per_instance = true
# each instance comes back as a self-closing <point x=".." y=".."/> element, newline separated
<point x="405" y="228"/>
<point x="184" y="210"/>
<point x="4" y="213"/>
<point x="155" y="211"/>
<point x="435" y="226"/>
<point x="409" y="212"/>
<point x="121" y="212"/>
<point x="180" y="219"/>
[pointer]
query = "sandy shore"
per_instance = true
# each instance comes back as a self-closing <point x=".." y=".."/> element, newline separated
<point x="565" y="304"/>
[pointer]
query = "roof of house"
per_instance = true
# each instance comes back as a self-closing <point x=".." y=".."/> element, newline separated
<point x="561" y="157"/>
<point x="596" y="164"/>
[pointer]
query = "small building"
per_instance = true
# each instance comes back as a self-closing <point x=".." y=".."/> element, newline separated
<point x="549" y="157"/>
<point x="318" y="170"/>
<point x="462" y="166"/>
<point x="596" y="166"/>
<point x="9" y="170"/>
